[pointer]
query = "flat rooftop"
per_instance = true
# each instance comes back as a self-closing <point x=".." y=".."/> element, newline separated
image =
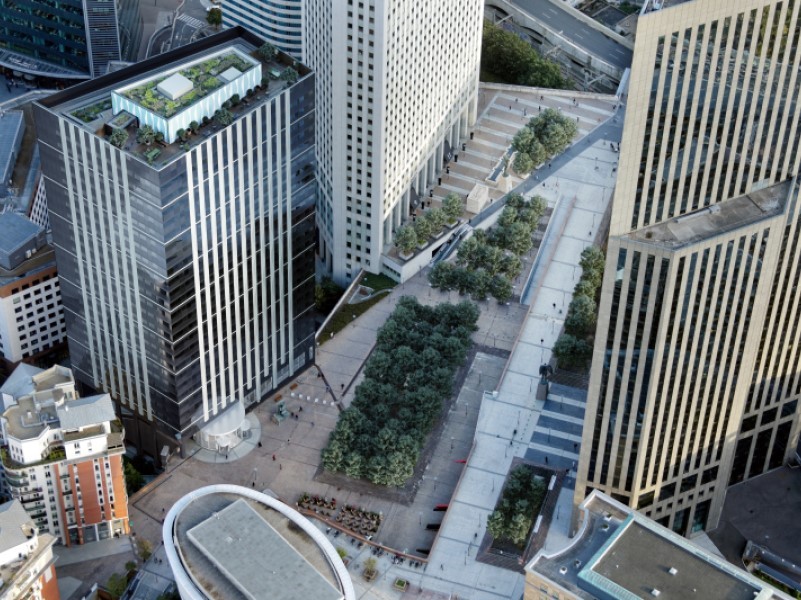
<point x="640" y="561"/>
<point x="256" y="558"/>
<point x="717" y="219"/>
<point x="236" y="549"/>
<point x="89" y="104"/>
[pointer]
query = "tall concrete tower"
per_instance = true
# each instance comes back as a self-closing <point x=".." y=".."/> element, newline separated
<point x="695" y="377"/>
<point x="397" y="85"/>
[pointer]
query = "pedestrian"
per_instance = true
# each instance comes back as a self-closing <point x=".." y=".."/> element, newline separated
<point x="301" y="408"/>
<point x="577" y="119"/>
<point x="288" y="440"/>
<point x="312" y="423"/>
<point x="259" y="444"/>
<point x="549" y="165"/>
<point x="280" y="467"/>
<point x="515" y="100"/>
<point x="441" y="567"/>
<point x="273" y="456"/>
<point x="252" y="484"/>
<point x="546" y="460"/>
<point x="342" y="386"/>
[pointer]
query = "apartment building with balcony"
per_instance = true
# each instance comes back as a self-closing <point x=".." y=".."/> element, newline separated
<point x="27" y="568"/>
<point x="62" y="458"/>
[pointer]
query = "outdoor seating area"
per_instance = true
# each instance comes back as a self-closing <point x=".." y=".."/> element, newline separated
<point x="352" y="518"/>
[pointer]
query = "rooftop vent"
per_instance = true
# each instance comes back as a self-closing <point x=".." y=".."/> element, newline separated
<point x="673" y="570"/>
<point x="563" y="570"/>
<point x="655" y="592"/>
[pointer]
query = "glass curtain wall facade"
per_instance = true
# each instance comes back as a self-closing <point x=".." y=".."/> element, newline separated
<point x="695" y="379"/>
<point x="59" y="38"/>
<point x="189" y="286"/>
<point x="279" y="22"/>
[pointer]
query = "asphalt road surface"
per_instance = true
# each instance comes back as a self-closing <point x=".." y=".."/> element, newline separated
<point x="559" y="19"/>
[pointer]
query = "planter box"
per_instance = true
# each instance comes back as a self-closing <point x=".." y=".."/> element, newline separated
<point x="405" y="256"/>
<point x="401" y="584"/>
<point x="370" y="575"/>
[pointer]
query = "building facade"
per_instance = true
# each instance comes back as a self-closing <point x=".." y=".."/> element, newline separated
<point x="32" y="325"/>
<point x="695" y="381"/>
<point x="279" y="22"/>
<point x="75" y="41"/>
<point x="63" y="458"/>
<point x="27" y="564"/>
<point x="188" y="275"/>
<point x="397" y="84"/>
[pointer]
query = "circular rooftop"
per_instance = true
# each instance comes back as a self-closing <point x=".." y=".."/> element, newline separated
<point x="229" y="542"/>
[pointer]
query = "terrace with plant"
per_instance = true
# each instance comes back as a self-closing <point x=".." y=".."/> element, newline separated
<point x="204" y="76"/>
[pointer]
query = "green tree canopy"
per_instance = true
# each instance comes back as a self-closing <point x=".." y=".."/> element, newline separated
<point x="453" y="207"/>
<point x="581" y="316"/>
<point x="214" y="17"/>
<point x="406" y="239"/>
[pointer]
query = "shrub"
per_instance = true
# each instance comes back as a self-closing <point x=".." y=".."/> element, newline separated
<point x="181" y="133"/>
<point x="224" y="117"/>
<point x="118" y="137"/>
<point x="289" y="75"/>
<point x="267" y="51"/>
<point x="194" y="126"/>
<point x="423" y="228"/>
<point x="145" y="135"/>
<point x="235" y="99"/>
<point x="571" y="351"/>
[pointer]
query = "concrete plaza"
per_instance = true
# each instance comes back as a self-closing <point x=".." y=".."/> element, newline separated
<point x="486" y="429"/>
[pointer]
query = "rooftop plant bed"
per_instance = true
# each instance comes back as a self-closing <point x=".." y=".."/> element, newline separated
<point x="518" y="506"/>
<point x="122" y="120"/>
<point x="204" y="78"/>
<point x="89" y="113"/>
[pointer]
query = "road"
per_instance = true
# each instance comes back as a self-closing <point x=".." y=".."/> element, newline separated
<point x="559" y="19"/>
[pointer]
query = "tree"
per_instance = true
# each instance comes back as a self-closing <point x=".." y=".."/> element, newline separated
<point x="585" y="287"/>
<point x="267" y="51"/>
<point x="518" y="238"/>
<point x="214" y="17"/>
<point x="522" y="140"/>
<point x="523" y="163"/>
<point x="480" y="284"/>
<point x="553" y="130"/>
<point x="592" y="259"/>
<point x="134" y="481"/>
<point x="437" y="218"/>
<point x="452" y="206"/>
<point x="130" y="566"/>
<point x="501" y="288"/>
<point x="423" y="228"/>
<point x="145" y="549"/>
<point x="289" y="75"/>
<point x="235" y="99"/>
<point x="514" y="61"/>
<point x="581" y="316"/>
<point x="182" y="135"/>
<point x="441" y="275"/>
<point x="145" y="135"/>
<point x="510" y="266"/>
<point x="571" y="352"/>
<point x="116" y="585"/>
<point x="118" y="137"/>
<point x="406" y="239"/>
<point x="326" y="295"/>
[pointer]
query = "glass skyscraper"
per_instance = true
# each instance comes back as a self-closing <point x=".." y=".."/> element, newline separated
<point x="187" y="267"/>
<point x="695" y="378"/>
<point x="64" y="39"/>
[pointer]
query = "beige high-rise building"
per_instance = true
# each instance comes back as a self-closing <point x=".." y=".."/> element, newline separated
<point x="695" y="378"/>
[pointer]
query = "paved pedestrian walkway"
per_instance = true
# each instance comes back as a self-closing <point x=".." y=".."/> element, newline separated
<point x="512" y="422"/>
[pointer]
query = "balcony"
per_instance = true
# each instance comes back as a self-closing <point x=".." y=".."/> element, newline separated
<point x="17" y="481"/>
<point x="35" y="498"/>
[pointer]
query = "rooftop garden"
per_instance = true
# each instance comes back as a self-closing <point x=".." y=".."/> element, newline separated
<point x="204" y="77"/>
<point x="90" y="112"/>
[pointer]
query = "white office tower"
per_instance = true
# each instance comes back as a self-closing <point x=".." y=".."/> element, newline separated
<point x="397" y="84"/>
<point x="279" y="22"/>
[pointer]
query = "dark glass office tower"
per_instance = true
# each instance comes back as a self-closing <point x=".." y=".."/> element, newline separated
<point x="65" y="39"/>
<point x="187" y="266"/>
